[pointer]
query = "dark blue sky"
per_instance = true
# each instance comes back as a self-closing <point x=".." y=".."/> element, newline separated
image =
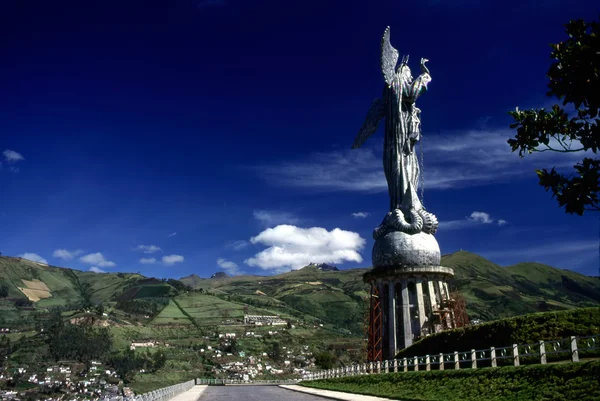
<point x="193" y="126"/>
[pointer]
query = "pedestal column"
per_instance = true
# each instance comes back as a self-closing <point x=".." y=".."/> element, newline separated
<point x="443" y="295"/>
<point x="432" y="295"/>
<point x="392" y="319"/>
<point x="406" y="320"/>
<point x="420" y="305"/>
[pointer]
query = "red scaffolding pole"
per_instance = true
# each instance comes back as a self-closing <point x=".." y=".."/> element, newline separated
<point x="374" y="344"/>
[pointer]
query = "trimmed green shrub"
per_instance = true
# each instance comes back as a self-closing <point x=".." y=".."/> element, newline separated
<point x="524" y="329"/>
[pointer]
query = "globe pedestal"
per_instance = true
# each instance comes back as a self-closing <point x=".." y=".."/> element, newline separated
<point x="410" y="297"/>
<point x="401" y="249"/>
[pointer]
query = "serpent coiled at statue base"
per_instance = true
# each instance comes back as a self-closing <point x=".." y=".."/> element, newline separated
<point x="420" y="221"/>
<point x="430" y="222"/>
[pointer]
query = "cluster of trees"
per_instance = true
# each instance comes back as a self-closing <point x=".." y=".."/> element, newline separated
<point x="178" y="285"/>
<point x="127" y="363"/>
<point x="3" y="291"/>
<point x="85" y="343"/>
<point x="276" y="353"/>
<point x="5" y="349"/>
<point x="23" y="303"/>
<point x="71" y="306"/>
<point x="76" y="342"/>
<point x="229" y="345"/>
<point x="325" y="360"/>
<point x="83" y="288"/>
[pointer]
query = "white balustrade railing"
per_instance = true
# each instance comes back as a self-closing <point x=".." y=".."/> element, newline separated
<point x="566" y="348"/>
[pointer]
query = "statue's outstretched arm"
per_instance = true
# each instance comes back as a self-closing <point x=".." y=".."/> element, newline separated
<point x="419" y="85"/>
<point x="369" y="127"/>
<point x="389" y="58"/>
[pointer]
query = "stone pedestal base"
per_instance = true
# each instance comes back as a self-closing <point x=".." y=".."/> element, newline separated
<point x="414" y="301"/>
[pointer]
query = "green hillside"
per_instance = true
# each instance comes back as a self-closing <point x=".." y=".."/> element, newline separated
<point x="333" y="298"/>
<point x="337" y="297"/>
<point x="492" y="291"/>
<point x="34" y="288"/>
<point x="60" y="285"/>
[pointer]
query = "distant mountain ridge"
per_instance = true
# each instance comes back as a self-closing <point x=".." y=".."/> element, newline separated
<point x="191" y="280"/>
<point x="333" y="296"/>
<point x="324" y="267"/>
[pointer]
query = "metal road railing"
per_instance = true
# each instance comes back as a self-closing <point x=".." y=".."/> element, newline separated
<point x="556" y="350"/>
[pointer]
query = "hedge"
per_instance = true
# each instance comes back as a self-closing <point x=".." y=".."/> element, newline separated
<point x="523" y="329"/>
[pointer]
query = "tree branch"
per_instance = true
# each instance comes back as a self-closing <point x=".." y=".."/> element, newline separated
<point x="550" y="148"/>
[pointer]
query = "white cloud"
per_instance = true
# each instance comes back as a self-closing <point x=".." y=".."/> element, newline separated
<point x="34" y="257"/>
<point x="480" y="217"/>
<point x="273" y="218"/>
<point x="170" y="260"/>
<point x="291" y="247"/>
<point x="65" y="254"/>
<point x="96" y="269"/>
<point x="12" y="157"/>
<point x="97" y="259"/>
<point x="147" y="248"/>
<point x="475" y="219"/>
<point x="230" y="267"/>
<point x="147" y="261"/>
<point x="452" y="160"/>
<point x="237" y="245"/>
<point x="172" y="235"/>
<point x="360" y="215"/>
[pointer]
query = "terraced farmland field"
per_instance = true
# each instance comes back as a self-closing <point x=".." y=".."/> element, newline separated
<point x="171" y="314"/>
<point x="209" y="310"/>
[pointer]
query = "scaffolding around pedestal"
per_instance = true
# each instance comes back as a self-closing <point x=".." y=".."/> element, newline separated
<point x="407" y="303"/>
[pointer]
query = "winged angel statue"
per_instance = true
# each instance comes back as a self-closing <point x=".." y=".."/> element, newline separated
<point x="402" y="132"/>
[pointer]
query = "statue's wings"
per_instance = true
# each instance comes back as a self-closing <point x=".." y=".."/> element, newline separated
<point x="369" y="127"/>
<point x="389" y="58"/>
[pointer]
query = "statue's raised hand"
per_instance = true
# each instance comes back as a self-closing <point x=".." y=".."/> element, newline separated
<point x="424" y="68"/>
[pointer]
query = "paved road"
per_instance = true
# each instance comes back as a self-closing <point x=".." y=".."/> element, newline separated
<point x="254" y="393"/>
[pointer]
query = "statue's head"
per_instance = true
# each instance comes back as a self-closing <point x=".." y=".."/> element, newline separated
<point x="404" y="69"/>
<point x="405" y="72"/>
